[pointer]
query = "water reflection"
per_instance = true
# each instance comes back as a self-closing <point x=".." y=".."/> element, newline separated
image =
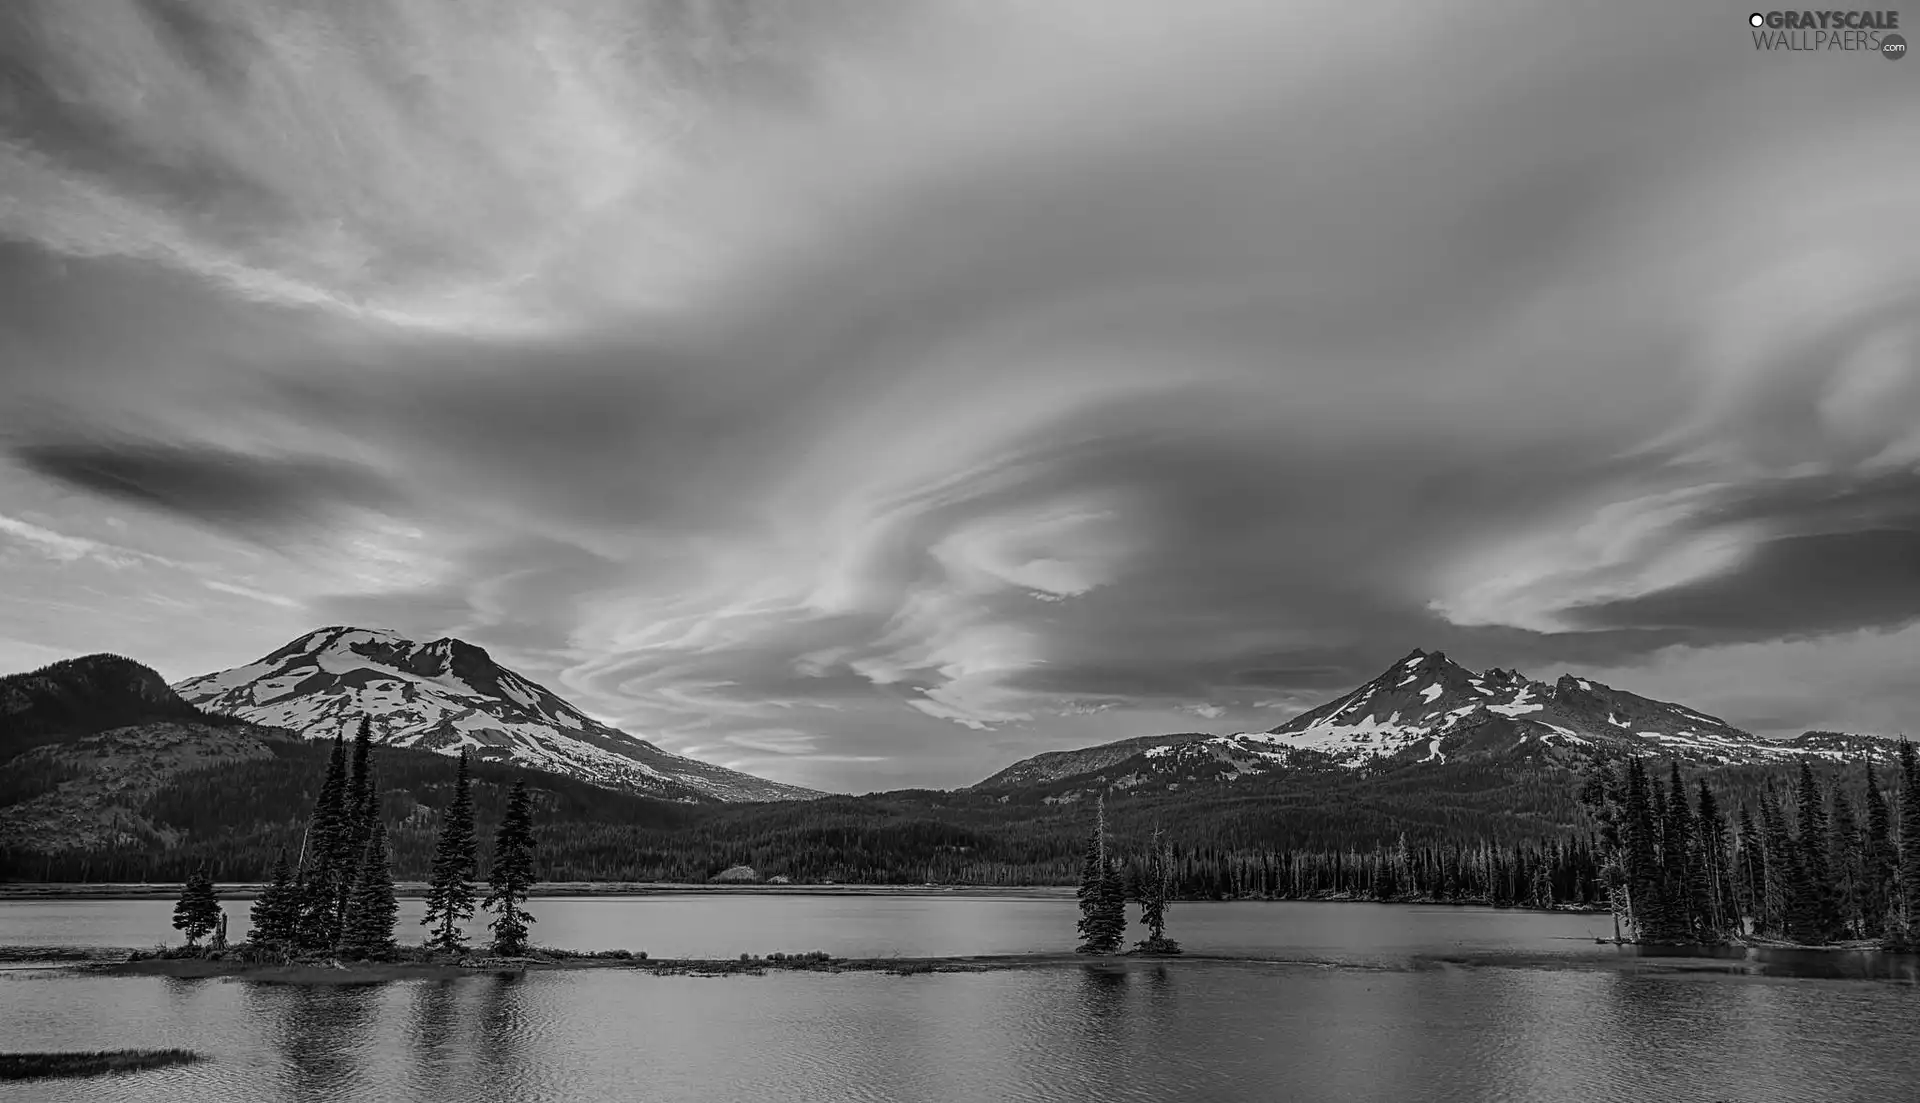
<point x="322" y="1034"/>
<point x="433" y="1021"/>
<point x="509" y="1045"/>
<point x="1772" y="961"/>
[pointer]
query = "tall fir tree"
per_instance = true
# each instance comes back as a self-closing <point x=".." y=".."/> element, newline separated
<point x="1782" y="863"/>
<point x="1604" y="800"/>
<point x="1113" y="896"/>
<point x="323" y="859"/>
<point x="1098" y="932"/>
<point x="373" y="910"/>
<point x="1645" y="883"/>
<point x="511" y="875"/>
<point x="1846" y="865"/>
<point x="1676" y="859"/>
<point x="276" y="911"/>
<point x="1879" y="861"/>
<point x="351" y="844"/>
<point x="197" y="912"/>
<point x="1713" y="877"/>
<point x="1750" y="882"/>
<point x="1156" y="883"/>
<point x="1811" y="912"/>
<point x="450" y="884"/>
<point x="1907" y="935"/>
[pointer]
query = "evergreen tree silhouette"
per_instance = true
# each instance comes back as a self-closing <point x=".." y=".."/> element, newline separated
<point x="1750" y="883"/>
<point x="511" y="876"/>
<point x="1099" y="933"/>
<point x="197" y="912"/>
<point x="276" y="911"/>
<point x="1846" y="865"/>
<point x="1811" y="912"/>
<point x="1782" y="863"/>
<point x="1879" y="861"/>
<point x="450" y="885"/>
<point x="1156" y="882"/>
<point x="1907" y="922"/>
<point x="321" y="869"/>
<point x="1683" y="887"/>
<point x="1713" y="879"/>
<point x="373" y="910"/>
<point x="351" y="843"/>
<point x="1646" y="881"/>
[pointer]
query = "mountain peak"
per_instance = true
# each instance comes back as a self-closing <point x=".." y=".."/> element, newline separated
<point x="1426" y="703"/>
<point x="446" y="695"/>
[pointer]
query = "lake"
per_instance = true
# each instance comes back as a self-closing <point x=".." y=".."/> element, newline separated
<point x="1371" y="1002"/>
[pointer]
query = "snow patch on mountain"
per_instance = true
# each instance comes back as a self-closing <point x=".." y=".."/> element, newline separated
<point x="446" y="695"/>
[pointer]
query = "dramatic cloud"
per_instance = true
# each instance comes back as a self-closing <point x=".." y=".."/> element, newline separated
<point x="868" y="395"/>
<point x="213" y="485"/>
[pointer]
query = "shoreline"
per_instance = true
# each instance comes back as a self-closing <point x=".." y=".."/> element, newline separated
<point x="1845" y="963"/>
<point x="374" y="972"/>
<point x="413" y="890"/>
<point x="407" y="890"/>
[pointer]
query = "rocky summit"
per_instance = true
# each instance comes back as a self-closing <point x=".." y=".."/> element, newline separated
<point x="1426" y="708"/>
<point x="445" y="695"/>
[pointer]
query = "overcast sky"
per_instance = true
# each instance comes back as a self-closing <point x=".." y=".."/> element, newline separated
<point x="870" y="394"/>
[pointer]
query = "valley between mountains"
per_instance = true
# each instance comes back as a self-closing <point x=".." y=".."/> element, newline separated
<point x="111" y="775"/>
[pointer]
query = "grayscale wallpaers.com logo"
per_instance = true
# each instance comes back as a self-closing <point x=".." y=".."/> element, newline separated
<point x="1866" y="31"/>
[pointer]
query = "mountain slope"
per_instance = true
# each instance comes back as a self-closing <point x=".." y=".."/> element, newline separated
<point x="447" y="694"/>
<point x="1054" y="765"/>
<point x="77" y="697"/>
<point x="1427" y="709"/>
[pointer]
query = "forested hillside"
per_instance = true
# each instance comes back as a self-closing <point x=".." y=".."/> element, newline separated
<point x="1505" y="833"/>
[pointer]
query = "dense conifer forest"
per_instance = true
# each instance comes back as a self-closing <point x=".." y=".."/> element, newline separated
<point x="1728" y="858"/>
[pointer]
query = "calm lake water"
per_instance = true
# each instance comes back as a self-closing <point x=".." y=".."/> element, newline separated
<point x="1370" y="1003"/>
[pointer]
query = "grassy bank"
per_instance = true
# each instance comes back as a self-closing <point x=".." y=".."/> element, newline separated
<point x="372" y="972"/>
<point x="40" y="1066"/>
<point x="415" y="889"/>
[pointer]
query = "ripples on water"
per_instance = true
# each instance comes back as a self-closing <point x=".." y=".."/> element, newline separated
<point x="1533" y="1020"/>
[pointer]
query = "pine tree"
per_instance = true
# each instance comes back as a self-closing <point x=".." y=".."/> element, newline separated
<point x="1156" y="882"/>
<point x="1750" y="884"/>
<point x="1677" y="860"/>
<point x="449" y="885"/>
<point x="198" y="911"/>
<point x="1098" y="932"/>
<point x="1907" y="933"/>
<point x="1113" y="899"/>
<point x="1646" y="881"/>
<point x="511" y="876"/>
<point x="320" y="871"/>
<point x="1844" y="861"/>
<point x="1879" y="862"/>
<point x="1605" y="801"/>
<point x="373" y="910"/>
<point x="351" y="843"/>
<point x="1811" y="910"/>
<point x="1782" y="863"/>
<point x="276" y="911"/>
<point x="1713" y="889"/>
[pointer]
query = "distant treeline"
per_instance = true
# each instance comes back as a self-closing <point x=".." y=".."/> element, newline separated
<point x="1502" y="833"/>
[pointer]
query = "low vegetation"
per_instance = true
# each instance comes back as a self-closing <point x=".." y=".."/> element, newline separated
<point x="38" y="1066"/>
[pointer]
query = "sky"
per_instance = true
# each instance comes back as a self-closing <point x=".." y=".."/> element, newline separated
<point x="870" y="395"/>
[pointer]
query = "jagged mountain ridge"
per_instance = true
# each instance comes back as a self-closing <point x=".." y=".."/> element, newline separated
<point x="1426" y="708"/>
<point x="446" y="694"/>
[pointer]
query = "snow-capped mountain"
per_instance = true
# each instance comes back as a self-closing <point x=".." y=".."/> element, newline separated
<point x="447" y="694"/>
<point x="1426" y="708"/>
